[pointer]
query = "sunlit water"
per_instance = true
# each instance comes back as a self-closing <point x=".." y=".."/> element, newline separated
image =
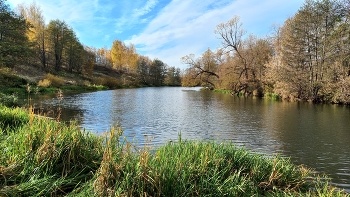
<point x="315" y="135"/>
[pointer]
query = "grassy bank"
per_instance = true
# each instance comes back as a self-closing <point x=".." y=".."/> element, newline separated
<point x="41" y="157"/>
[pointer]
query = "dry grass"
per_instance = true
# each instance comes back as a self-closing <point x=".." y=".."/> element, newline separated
<point x="45" y="83"/>
<point x="55" y="80"/>
<point x="110" y="82"/>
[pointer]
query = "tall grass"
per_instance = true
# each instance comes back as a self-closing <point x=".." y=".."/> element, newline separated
<point x="45" y="158"/>
<point x="41" y="157"/>
<point x="12" y="118"/>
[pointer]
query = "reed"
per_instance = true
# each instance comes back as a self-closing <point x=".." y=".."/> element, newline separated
<point x="42" y="157"/>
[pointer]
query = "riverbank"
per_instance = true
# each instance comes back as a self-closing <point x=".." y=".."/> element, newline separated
<point x="41" y="157"/>
<point x="21" y="81"/>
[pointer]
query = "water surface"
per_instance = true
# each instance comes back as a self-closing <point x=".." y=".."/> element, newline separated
<point x="315" y="135"/>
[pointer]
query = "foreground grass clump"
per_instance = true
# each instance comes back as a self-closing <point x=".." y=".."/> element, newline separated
<point x="12" y="118"/>
<point x="46" y="158"/>
<point x="189" y="168"/>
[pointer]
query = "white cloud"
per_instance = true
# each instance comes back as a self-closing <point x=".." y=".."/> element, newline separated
<point x="179" y="28"/>
<point x="133" y="13"/>
<point x="145" y="9"/>
<point x="184" y="25"/>
<point x="88" y="18"/>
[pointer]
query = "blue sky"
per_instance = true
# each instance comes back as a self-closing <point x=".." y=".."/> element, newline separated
<point x="163" y="29"/>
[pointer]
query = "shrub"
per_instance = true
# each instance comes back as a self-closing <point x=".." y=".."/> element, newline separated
<point x="55" y="80"/>
<point x="9" y="100"/>
<point x="44" y="83"/>
<point x="107" y="81"/>
<point x="112" y="82"/>
<point x="272" y="96"/>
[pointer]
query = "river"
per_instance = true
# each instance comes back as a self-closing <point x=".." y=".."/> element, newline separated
<point x="317" y="136"/>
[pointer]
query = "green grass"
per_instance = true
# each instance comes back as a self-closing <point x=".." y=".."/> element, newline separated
<point x="11" y="119"/>
<point x="10" y="100"/>
<point x="41" y="157"/>
<point x="44" y="158"/>
<point x="272" y="96"/>
<point x="223" y="91"/>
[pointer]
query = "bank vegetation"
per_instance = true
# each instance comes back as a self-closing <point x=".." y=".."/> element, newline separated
<point x="307" y="58"/>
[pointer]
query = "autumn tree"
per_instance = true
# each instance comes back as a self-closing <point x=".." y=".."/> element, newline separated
<point x="232" y="33"/>
<point x="103" y="57"/>
<point x="190" y="78"/>
<point x="123" y="56"/>
<point x="57" y="37"/>
<point x="247" y="56"/>
<point x="310" y="45"/>
<point x="14" y="45"/>
<point x="132" y="58"/>
<point x="37" y="32"/>
<point x="204" y="67"/>
<point x="89" y="60"/>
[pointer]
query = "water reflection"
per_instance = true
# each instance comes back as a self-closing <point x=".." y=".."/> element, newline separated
<point x="315" y="135"/>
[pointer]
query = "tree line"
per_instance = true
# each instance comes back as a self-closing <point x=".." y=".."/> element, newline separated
<point x="307" y="58"/>
<point x="25" y="39"/>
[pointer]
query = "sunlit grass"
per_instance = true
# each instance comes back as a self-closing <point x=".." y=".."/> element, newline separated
<point x="12" y="118"/>
<point x="272" y="96"/>
<point x="41" y="157"/>
<point x="223" y="91"/>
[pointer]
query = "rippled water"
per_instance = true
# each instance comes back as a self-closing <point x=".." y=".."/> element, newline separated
<point x="315" y="135"/>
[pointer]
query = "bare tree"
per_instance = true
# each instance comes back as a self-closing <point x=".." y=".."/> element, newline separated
<point x="204" y="67"/>
<point x="232" y="34"/>
<point x="248" y="55"/>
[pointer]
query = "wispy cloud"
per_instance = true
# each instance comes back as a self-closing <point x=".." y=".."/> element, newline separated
<point x="88" y="18"/>
<point x="184" y="25"/>
<point x="145" y="9"/>
<point x="166" y="29"/>
<point x="134" y="13"/>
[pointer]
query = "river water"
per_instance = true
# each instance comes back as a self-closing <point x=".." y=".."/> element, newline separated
<point x="317" y="136"/>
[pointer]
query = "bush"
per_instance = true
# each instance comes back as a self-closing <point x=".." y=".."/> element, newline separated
<point x="272" y="96"/>
<point x="107" y="81"/>
<point x="55" y="80"/>
<point x="9" y="100"/>
<point x="44" y="83"/>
